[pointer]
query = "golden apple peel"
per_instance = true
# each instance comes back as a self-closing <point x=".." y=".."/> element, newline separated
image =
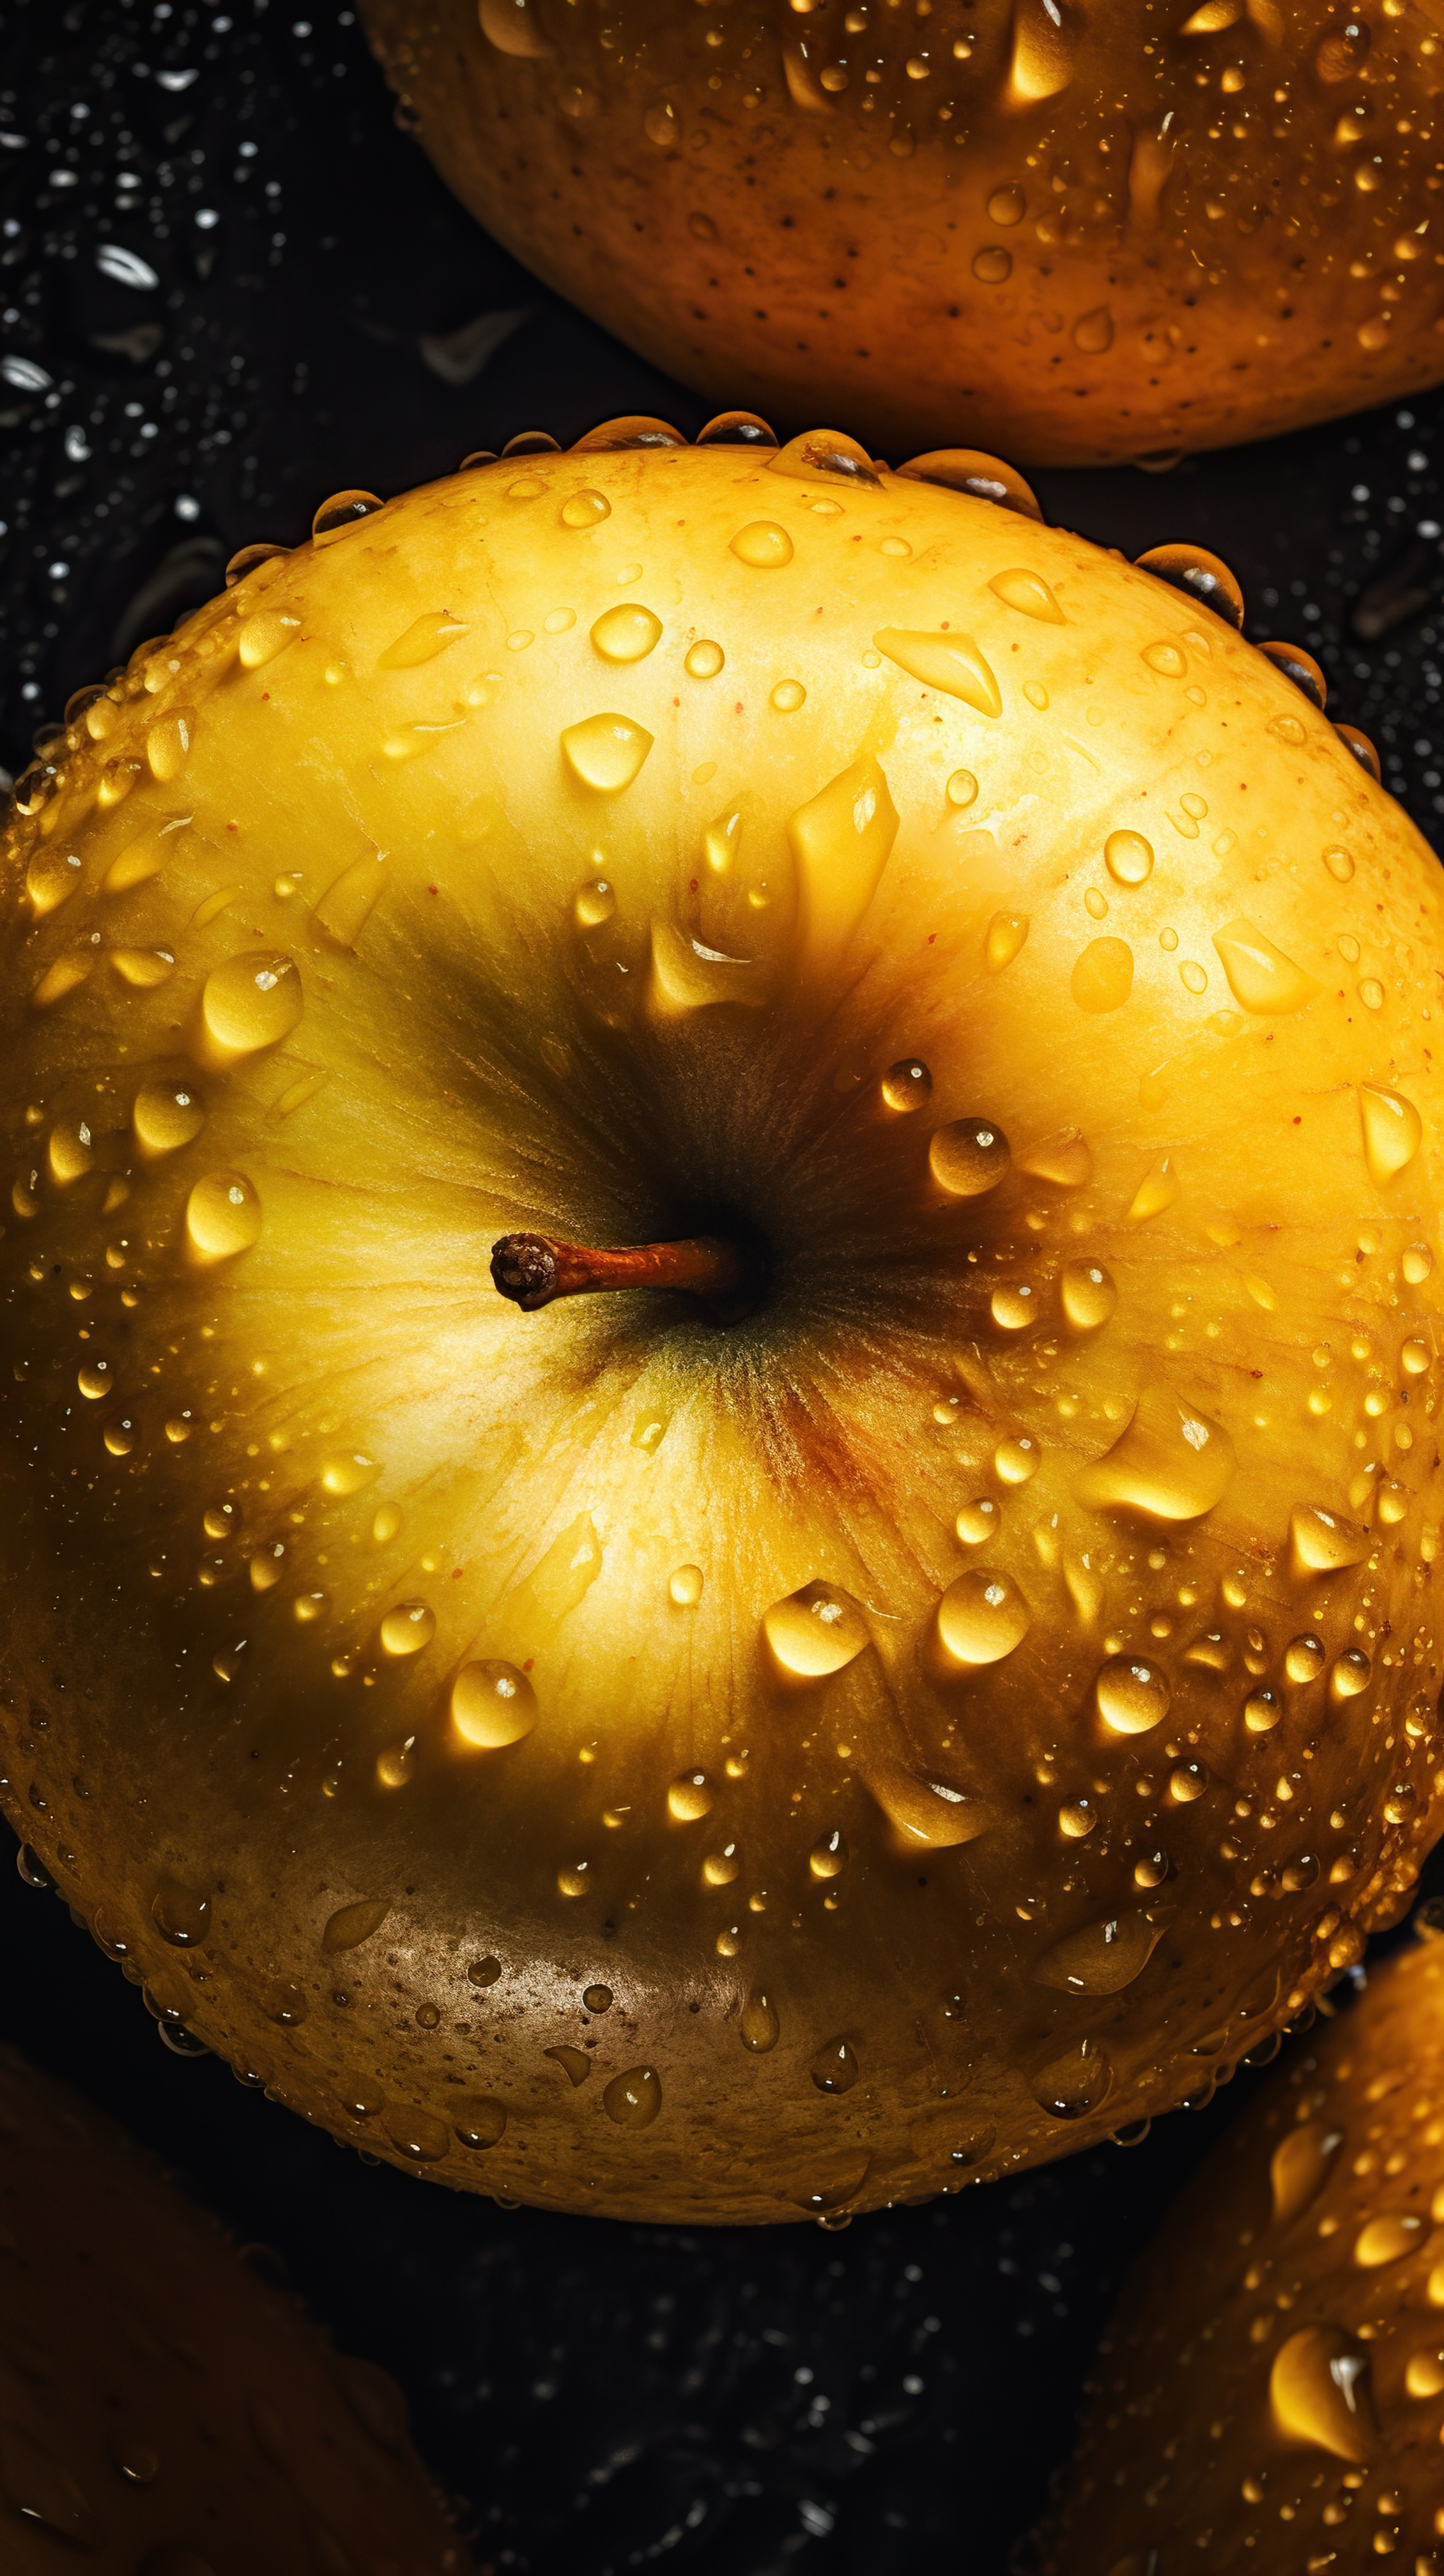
<point x="1076" y="1139"/>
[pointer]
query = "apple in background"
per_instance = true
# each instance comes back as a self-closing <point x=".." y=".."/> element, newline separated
<point x="1271" y="2391"/>
<point x="935" y="1653"/>
<point x="1076" y="234"/>
<point x="166" y="2413"/>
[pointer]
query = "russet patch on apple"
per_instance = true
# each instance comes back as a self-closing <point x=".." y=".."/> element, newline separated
<point x="904" y="1637"/>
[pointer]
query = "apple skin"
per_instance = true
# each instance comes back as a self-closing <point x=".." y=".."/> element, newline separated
<point x="328" y="967"/>
<point x="1099" y="236"/>
<point x="166" y="2411"/>
<point x="1311" y="2236"/>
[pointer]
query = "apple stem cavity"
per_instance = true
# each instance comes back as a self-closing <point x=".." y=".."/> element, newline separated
<point x="535" y="1269"/>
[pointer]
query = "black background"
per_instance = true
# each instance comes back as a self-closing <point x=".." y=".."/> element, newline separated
<point x="603" y="2397"/>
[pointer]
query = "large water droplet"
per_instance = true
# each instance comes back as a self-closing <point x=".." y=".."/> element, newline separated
<point x="166" y="1116"/>
<point x="1299" y="2168"/>
<point x="1387" y="2239"/>
<point x="841" y="841"/>
<point x="828" y="1856"/>
<point x="605" y="752"/>
<point x="352" y="1924"/>
<point x="1007" y="932"/>
<point x="634" y="2099"/>
<point x="480" y="2121"/>
<point x="1088" y="1295"/>
<point x="1128" y="858"/>
<point x="223" y="1216"/>
<point x="1156" y="1191"/>
<point x="1323" y="1542"/>
<point x="1171" y="1463"/>
<point x="1078" y="2082"/>
<point x="759" y="2025"/>
<point x="182" y="1914"/>
<point x="407" y="1628"/>
<point x="626" y="633"/>
<point x="763" y="545"/>
<point x="350" y="899"/>
<point x="968" y="1157"/>
<point x="168" y="744"/>
<point x="684" y="1586"/>
<point x="1102" y="1958"/>
<point x="492" y="1704"/>
<point x="1043" y="45"/>
<point x="1393" y="1132"/>
<point x="835" y="2068"/>
<point x="422" y="640"/>
<point x="704" y="660"/>
<point x="1029" y="593"/>
<point x="585" y="509"/>
<point x="981" y="1617"/>
<point x="950" y="663"/>
<point x="691" y="1797"/>
<point x="418" y="2134"/>
<point x="907" y="1084"/>
<point x="815" y="1631"/>
<point x="1318" y="2392"/>
<point x="930" y="1812"/>
<point x="249" y="1003"/>
<point x="1261" y="978"/>
<point x="1132" y="1695"/>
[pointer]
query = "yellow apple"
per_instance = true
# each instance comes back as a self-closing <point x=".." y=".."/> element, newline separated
<point x="1271" y="2392"/>
<point x="165" y="2413"/>
<point x="1077" y="234"/>
<point x="870" y="1716"/>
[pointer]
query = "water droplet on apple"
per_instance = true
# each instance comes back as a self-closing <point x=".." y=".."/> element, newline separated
<point x="407" y="1628"/>
<point x="166" y="1116"/>
<point x="835" y="2069"/>
<point x="815" y="1631"/>
<point x="223" y="1216"/>
<point x="182" y="1914"/>
<point x="1171" y="1463"/>
<point x="1128" y="858"/>
<point x="828" y="1856"/>
<point x="759" y="2025"/>
<point x="1088" y="1295"/>
<point x="626" y="633"/>
<point x="633" y="2100"/>
<point x="1132" y="1695"/>
<point x="1318" y="2393"/>
<point x="763" y="545"/>
<point x="1101" y="1958"/>
<point x="1260" y="977"/>
<point x="605" y="752"/>
<point x="981" y="1617"/>
<point x="1078" y="2082"/>
<point x="251" y="1002"/>
<point x="492" y="1705"/>
<point x="1393" y="1131"/>
<point x="968" y="1157"/>
<point x="1007" y="932"/>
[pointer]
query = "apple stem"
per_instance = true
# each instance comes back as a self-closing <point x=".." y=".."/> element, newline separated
<point x="533" y="1269"/>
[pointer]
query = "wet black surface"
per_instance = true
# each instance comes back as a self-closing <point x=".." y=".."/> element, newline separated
<point x="279" y="302"/>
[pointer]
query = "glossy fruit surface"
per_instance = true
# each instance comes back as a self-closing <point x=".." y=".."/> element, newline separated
<point x="163" y="2411"/>
<point x="1270" y="2394"/>
<point x="643" y="1757"/>
<point x="1073" y="234"/>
